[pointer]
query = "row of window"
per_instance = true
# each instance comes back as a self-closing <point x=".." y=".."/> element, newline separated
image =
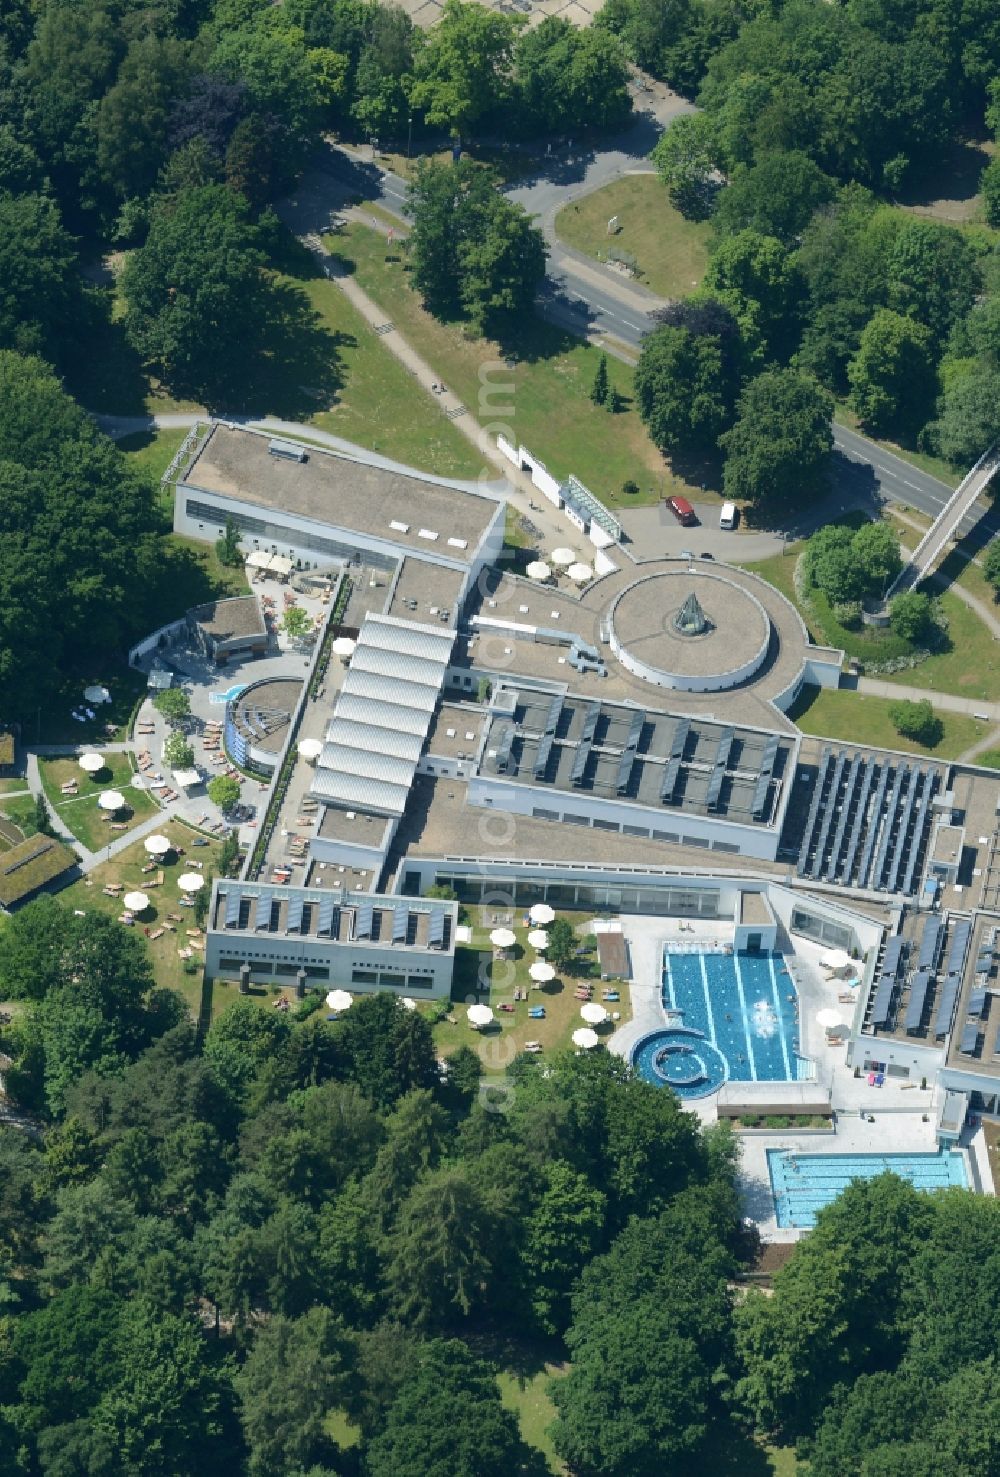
<point x="664" y="901"/>
<point x="387" y="981"/>
<point x="289" y="537"/>
<point x="823" y="930"/>
<point x="572" y="819"/>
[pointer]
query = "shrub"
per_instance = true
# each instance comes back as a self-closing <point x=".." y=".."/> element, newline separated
<point x="848" y="613"/>
<point x="917" y="721"/>
<point x="630" y="488"/>
<point x="911" y="616"/>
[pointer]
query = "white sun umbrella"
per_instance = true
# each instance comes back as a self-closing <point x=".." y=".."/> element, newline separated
<point x="158" y="845"/>
<point x="541" y="913"/>
<point x="344" y="646"/>
<point x="586" y="1038"/>
<point x="538" y="570"/>
<point x="538" y="938"/>
<point x="836" y="959"/>
<point x="136" y="902"/>
<point x="580" y="573"/>
<point x="593" y="1014"/>
<point x="96" y="694"/>
<point x="190" y="882"/>
<point x="340" y="1000"/>
<point x="502" y="938"/>
<point x="829" y="1018"/>
<point x="407" y="1003"/>
<point x="111" y="800"/>
<point x="541" y="972"/>
<point x="562" y="557"/>
<point x="480" y="1015"/>
<point x="91" y="762"/>
<point x="310" y="750"/>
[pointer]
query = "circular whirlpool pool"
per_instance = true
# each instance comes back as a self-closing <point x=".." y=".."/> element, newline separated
<point x="683" y="1060"/>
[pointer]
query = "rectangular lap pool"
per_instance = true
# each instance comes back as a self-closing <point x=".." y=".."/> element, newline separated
<point x="746" y="1005"/>
<point x="802" y="1184"/>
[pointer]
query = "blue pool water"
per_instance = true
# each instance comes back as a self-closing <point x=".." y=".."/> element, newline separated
<point x="736" y="1021"/>
<point x="228" y="695"/>
<point x="803" y="1183"/>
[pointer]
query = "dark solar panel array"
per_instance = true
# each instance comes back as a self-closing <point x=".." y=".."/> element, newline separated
<point x="960" y="936"/>
<point x="919" y="986"/>
<point x="829" y="810"/>
<point x="671" y="771"/>
<point x="590" y="723"/>
<point x="854" y="840"/>
<point x="887" y="980"/>
<point x="725" y="747"/>
<point x="850" y="782"/>
<point x="715" y="786"/>
<point x="970" y="1039"/>
<point x="635" y="730"/>
<point x="580" y="759"/>
<point x="957" y="947"/>
<point x="814" y="804"/>
<point x="864" y="867"/>
<point x="503" y="749"/>
<point x="930" y="943"/>
<point x="977" y="1003"/>
<point x="680" y="737"/>
<point x="625" y="770"/>
<point x="761" y="790"/>
<point x="868" y="822"/>
<point x="327" y="909"/>
<point x="400" y="925"/>
<point x="542" y="757"/>
<point x="363" y="920"/>
<point x="555" y="713"/>
<point x="232" y="909"/>
<point x="293" y="918"/>
<point x="435" y="928"/>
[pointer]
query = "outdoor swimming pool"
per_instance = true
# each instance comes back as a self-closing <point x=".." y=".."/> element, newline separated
<point x="803" y="1183"/>
<point x="735" y="1019"/>
<point x="229" y="695"/>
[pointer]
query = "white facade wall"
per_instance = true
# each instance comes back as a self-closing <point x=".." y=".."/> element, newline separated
<point x="426" y="973"/>
<point x="289" y="525"/>
<point x="517" y="799"/>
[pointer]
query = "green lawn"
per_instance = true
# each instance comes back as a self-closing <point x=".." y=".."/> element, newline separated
<point x="81" y="812"/>
<point x="968" y="666"/>
<point x="542" y="397"/>
<point x="479" y="976"/>
<point x="379" y="406"/>
<point x="971" y="665"/>
<point x="170" y="970"/>
<point x="528" y="1397"/>
<point x="21" y="810"/>
<point x="989" y="759"/>
<point x="152" y="451"/>
<point x="857" y="719"/>
<point x="671" y="253"/>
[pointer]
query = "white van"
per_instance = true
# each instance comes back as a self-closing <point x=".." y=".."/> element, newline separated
<point x="727" y="518"/>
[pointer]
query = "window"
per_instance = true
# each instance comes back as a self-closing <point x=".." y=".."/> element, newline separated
<point x="600" y="825"/>
<point x="544" y="815"/>
<point x="364" y="977"/>
<point x="635" y="830"/>
<point x="572" y="819"/>
<point x="392" y="981"/>
<point x="419" y="981"/>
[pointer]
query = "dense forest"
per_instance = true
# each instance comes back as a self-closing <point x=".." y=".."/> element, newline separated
<point x="814" y="121"/>
<point x="301" y="1246"/>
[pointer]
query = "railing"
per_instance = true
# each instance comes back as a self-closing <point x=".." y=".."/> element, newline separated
<point x="945" y="523"/>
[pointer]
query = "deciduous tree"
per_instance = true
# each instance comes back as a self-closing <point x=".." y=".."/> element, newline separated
<point x="777" y="451"/>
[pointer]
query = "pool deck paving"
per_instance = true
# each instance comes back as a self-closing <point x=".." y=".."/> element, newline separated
<point x="897" y="1118"/>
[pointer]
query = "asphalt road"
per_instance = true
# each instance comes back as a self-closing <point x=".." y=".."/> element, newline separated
<point x="584" y="298"/>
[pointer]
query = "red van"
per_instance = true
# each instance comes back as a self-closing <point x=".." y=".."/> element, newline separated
<point x="681" y="509"/>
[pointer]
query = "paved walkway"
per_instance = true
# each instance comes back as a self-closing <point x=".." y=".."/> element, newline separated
<point x="948" y="701"/>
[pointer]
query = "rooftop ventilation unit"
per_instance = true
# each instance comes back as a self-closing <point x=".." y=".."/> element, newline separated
<point x="287" y="451"/>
